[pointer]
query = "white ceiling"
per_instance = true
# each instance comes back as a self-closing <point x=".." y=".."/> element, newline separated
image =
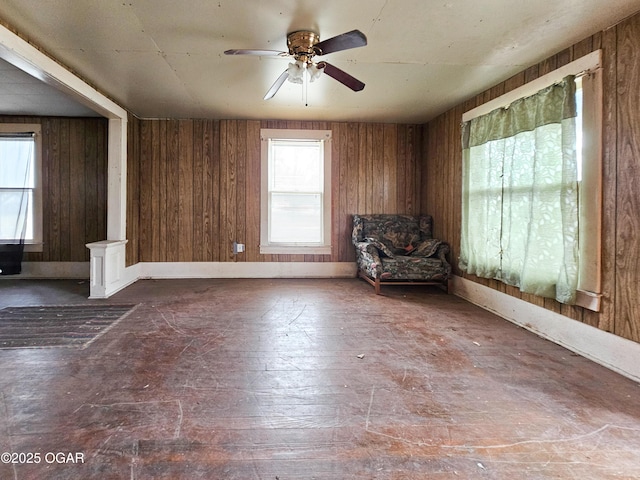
<point x="164" y="58"/>
<point x="22" y="94"/>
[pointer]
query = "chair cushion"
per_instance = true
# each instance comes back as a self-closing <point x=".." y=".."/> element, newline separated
<point x="413" y="268"/>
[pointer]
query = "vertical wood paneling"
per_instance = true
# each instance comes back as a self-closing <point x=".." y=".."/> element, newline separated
<point x="233" y="141"/>
<point x="390" y="156"/>
<point x="224" y="189"/>
<point x="133" y="180"/>
<point x="352" y="187"/>
<point x="157" y="194"/>
<point x="627" y="318"/>
<point x="173" y="191"/>
<point x="65" y="174"/>
<point x="401" y="169"/>
<point x="376" y="138"/>
<point x="216" y="192"/>
<point x="185" y="191"/>
<point x="102" y="169"/>
<point x="208" y="200"/>
<point x="240" y="231"/>
<point x="145" y="196"/>
<point x="364" y="177"/>
<point x="199" y="212"/>
<point x="199" y="185"/>
<point x="252" y="190"/>
<point x="77" y="209"/>
<point x="47" y="180"/>
<point x="53" y="198"/>
<point x="74" y="177"/>
<point x="338" y="194"/>
<point x="161" y="199"/>
<point x="456" y="181"/>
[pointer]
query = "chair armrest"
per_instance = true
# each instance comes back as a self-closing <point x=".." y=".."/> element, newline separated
<point x="380" y="247"/>
<point x="443" y="251"/>
<point x="368" y="248"/>
<point x="369" y="259"/>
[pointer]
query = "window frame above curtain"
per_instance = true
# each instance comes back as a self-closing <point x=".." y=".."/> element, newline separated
<point x="35" y="242"/>
<point x="588" y="68"/>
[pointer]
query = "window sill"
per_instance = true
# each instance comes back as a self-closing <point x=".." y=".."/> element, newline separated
<point x="589" y="300"/>
<point x="296" y="249"/>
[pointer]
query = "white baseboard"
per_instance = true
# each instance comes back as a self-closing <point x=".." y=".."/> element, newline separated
<point x="51" y="270"/>
<point x="169" y="270"/>
<point x="246" y="269"/>
<point x="611" y="351"/>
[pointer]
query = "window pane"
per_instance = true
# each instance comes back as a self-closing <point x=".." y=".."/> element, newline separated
<point x="296" y="166"/>
<point x="13" y="208"/>
<point x="296" y="218"/>
<point x="16" y="158"/>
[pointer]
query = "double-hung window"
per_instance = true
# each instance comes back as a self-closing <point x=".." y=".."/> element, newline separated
<point x="531" y="196"/>
<point x="20" y="185"/>
<point x="296" y="192"/>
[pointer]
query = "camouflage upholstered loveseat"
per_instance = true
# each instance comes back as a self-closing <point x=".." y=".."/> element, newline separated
<point x="399" y="249"/>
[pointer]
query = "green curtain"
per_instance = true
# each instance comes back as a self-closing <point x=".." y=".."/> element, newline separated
<point x="520" y="194"/>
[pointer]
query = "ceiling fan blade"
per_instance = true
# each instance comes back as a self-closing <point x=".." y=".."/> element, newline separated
<point x="276" y="85"/>
<point x="341" y="76"/>
<point x="352" y="39"/>
<point x="260" y="53"/>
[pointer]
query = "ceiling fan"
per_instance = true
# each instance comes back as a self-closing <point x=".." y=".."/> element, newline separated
<point x="303" y="46"/>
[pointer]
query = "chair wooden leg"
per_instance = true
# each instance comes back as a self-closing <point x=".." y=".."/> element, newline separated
<point x="377" y="286"/>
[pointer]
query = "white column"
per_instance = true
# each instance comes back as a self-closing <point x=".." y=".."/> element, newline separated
<point x="107" y="267"/>
<point x="108" y="257"/>
<point x="117" y="180"/>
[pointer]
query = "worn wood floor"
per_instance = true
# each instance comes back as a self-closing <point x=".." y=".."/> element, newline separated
<point x="307" y="379"/>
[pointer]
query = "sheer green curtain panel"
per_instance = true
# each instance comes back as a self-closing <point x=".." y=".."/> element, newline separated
<point x="520" y="194"/>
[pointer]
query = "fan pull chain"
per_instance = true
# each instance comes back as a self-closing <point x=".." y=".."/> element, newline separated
<point x="305" y="85"/>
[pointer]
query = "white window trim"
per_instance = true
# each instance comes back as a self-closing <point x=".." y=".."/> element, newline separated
<point x="35" y="245"/>
<point x="589" y="293"/>
<point x="267" y="134"/>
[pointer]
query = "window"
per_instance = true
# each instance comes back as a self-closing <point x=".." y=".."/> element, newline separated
<point x="20" y="185"/>
<point x="532" y="187"/>
<point x="296" y="192"/>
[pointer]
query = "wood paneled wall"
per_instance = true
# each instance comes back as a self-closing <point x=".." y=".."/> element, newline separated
<point x="194" y="185"/>
<point x="441" y="195"/>
<point x="74" y="182"/>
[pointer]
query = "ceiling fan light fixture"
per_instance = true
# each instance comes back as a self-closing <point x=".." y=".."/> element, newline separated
<point x="296" y="72"/>
<point x="314" y="71"/>
<point x="303" y="46"/>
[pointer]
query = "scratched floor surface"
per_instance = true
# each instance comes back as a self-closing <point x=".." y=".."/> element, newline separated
<point x="307" y="379"/>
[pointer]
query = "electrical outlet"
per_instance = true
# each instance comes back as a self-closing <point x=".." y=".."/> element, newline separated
<point x="238" y="248"/>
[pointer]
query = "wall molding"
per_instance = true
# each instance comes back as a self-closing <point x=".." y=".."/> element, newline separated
<point x="606" y="349"/>
<point x="176" y="270"/>
<point x="246" y="269"/>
